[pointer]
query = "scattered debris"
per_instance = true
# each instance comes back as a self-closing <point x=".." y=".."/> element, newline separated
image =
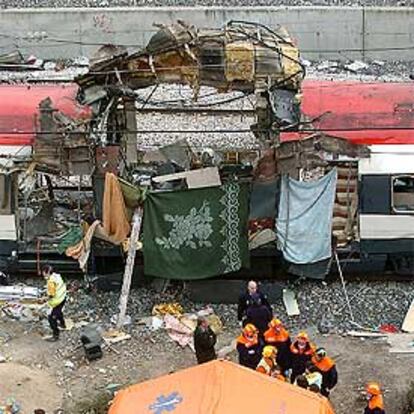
<point x="179" y="332"/>
<point x="114" y="337"/>
<point x="10" y="407"/>
<point x="356" y="66"/>
<point x="163" y="309"/>
<point x="69" y="364"/>
<point x="19" y="293"/>
<point x="291" y="304"/>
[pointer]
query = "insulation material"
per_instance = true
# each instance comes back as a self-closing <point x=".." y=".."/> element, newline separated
<point x="240" y="61"/>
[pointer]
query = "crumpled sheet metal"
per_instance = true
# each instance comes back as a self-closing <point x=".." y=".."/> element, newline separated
<point x="240" y="62"/>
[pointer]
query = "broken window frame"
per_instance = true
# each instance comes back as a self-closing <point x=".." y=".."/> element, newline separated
<point x="395" y="209"/>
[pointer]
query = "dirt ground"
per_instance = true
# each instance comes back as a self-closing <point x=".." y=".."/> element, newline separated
<point x="37" y="377"/>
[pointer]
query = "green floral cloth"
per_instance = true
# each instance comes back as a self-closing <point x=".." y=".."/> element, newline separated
<point x="196" y="234"/>
<point x="72" y="237"/>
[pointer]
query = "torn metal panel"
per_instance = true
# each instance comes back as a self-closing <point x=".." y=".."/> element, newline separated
<point x="205" y="177"/>
<point x="108" y="159"/>
<point x="179" y="153"/>
<point x="240" y="61"/>
<point x="11" y="58"/>
<point x="312" y="152"/>
<point x="61" y="146"/>
<point x="243" y="56"/>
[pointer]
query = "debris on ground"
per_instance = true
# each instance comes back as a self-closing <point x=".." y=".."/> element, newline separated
<point x="291" y="304"/>
<point x="11" y="406"/>
<point x="163" y="309"/>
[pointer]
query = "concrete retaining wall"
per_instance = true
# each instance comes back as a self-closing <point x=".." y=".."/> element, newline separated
<point x="322" y="32"/>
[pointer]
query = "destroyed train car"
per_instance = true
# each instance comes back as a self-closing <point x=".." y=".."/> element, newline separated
<point x="70" y="187"/>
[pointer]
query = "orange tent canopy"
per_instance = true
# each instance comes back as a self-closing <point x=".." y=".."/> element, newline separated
<point x="218" y="387"/>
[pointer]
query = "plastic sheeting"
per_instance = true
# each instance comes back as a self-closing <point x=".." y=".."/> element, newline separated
<point x="218" y="387"/>
<point x="304" y="224"/>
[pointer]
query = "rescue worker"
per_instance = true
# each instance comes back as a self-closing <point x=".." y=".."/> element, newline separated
<point x="56" y="292"/>
<point x="249" y="347"/>
<point x="268" y="365"/>
<point x="279" y="337"/>
<point x="245" y="301"/>
<point x="204" y="341"/>
<point x="375" y="401"/>
<point x="301" y="352"/>
<point x="326" y="366"/>
<point x="258" y="314"/>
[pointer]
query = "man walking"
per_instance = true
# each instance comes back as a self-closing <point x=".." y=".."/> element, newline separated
<point x="204" y="341"/>
<point x="56" y="292"/>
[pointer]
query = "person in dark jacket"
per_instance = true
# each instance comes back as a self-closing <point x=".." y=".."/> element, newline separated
<point x="245" y="301"/>
<point x="249" y="347"/>
<point x="301" y="353"/>
<point x="204" y="341"/>
<point x="375" y="401"/>
<point x="326" y="366"/>
<point x="258" y="314"/>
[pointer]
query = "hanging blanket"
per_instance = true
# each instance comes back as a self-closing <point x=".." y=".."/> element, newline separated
<point x="195" y="234"/>
<point x="304" y="223"/>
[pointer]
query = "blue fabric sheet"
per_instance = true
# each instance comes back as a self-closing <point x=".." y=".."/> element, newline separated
<point x="304" y="223"/>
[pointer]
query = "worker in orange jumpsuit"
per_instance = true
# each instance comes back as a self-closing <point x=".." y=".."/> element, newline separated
<point x="278" y="337"/>
<point x="326" y="366"/>
<point x="268" y="365"/>
<point x="375" y="400"/>
<point x="301" y="352"/>
<point x="249" y="346"/>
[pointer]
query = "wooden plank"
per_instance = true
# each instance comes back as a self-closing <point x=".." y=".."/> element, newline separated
<point x="362" y="334"/>
<point x="129" y="267"/>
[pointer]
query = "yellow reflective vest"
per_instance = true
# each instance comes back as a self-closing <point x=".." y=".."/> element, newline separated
<point x="56" y="290"/>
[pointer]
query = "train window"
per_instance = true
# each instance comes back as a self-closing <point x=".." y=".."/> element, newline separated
<point x="403" y="194"/>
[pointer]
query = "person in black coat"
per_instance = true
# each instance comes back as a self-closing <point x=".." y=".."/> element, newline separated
<point x="204" y="341"/>
<point x="258" y="314"/>
<point x="246" y="300"/>
<point x="249" y="347"/>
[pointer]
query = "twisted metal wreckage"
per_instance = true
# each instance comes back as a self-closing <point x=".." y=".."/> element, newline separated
<point x="242" y="56"/>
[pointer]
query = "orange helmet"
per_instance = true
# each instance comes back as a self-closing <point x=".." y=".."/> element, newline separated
<point x="249" y="330"/>
<point x="275" y="323"/>
<point x="303" y="335"/>
<point x="373" y="388"/>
